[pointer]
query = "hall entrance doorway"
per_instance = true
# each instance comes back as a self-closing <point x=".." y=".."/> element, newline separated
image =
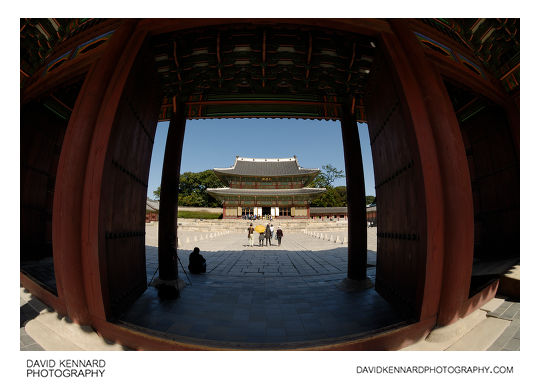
<point x="266" y="211"/>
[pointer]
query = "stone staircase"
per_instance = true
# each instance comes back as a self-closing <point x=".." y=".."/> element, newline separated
<point x="297" y="225"/>
<point x="476" y="332"/>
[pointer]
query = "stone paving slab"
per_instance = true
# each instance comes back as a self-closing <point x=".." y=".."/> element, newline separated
<point x="500" y="309"/>
<point x="509" y="340"/>
<point x="259" y="295"/>
<point x="27" y="313"/>
<point x="230" y="255"/>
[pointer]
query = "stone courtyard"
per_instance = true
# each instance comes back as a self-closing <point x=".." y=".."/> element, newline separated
<point x="253" y="297"/>
<point x="300" y="254"/>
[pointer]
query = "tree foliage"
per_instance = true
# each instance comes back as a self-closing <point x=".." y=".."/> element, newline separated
<point x="326" y="177"/>
<point x="342" y="192"/>
<point x="334" y="196"/>
<point x="192" y="189"/>
<point x="157" y="193"/>
<point x="330" y="198"/>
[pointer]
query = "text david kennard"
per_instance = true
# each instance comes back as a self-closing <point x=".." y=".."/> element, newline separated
<point x="65" y="368"/>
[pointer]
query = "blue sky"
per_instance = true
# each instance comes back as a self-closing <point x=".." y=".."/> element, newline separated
<point x="216" y="142"/>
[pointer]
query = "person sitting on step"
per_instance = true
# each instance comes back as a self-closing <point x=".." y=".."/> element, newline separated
<point x="197" y="263"/>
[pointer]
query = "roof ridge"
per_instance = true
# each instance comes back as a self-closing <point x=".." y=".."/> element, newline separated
<point x="266" y="159"/>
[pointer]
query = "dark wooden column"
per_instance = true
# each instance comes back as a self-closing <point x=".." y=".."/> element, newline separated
<point x="168" y="204"/>
<point x="356" y="194"/>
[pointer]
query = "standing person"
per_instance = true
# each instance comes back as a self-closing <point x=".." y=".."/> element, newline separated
<point x="268" y="235"/>
<point x="261" y="239"/>
<point x="279" y="235"/>
<point x="271" y="231"/>
<point x="250" y="234"/>
<point x="197" y="263"/>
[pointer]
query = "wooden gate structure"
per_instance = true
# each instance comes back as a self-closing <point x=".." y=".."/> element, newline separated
<point x="437" y="106"/>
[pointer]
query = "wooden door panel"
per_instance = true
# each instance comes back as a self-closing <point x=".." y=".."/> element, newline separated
<point x="401" y="214"/>
<point x="124" y="187"/>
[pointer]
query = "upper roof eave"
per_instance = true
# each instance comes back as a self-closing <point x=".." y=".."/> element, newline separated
<point x="268" y="192"/>
<point x="266" y="167"/>
<point x="230" y="171"/>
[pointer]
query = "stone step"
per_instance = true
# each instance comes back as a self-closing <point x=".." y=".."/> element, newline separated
<point x="476" y="332"/>
<point x="481" y="337"/>
<point x="55" y="334"/>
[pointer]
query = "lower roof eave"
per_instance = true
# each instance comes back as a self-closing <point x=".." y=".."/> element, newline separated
<point x="303" y="192"/>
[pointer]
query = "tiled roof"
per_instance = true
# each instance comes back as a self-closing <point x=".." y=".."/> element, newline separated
<point x="152" y="205"/>
<point x="336" y="210"/>
<point x="266" y="167"/>
<point x="325" y="210"/>
<point x="264" y="192"/>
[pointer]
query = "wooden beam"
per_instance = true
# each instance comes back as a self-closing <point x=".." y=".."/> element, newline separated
<point x="369" y="27"/>
<point x="258" y="102"/>
<point x="61" y="103"/>
<point x="263" y="56"/>
<point x="218" y="43"/>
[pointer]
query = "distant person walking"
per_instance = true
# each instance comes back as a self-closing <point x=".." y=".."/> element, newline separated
<point x="268" y="235"/>
<point x="197" y="263"/>
<point x="279" y="235"/>
<point x="250" y="234"/>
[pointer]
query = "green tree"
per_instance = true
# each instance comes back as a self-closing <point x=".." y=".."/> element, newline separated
<point x="326" y="177"/>
<point x="342" y="192"/>
<point x="370" y="199"/>
<point x="157" y="193"/>
<point x="330" y="198"/>
<point x="192" y="200"/>
<point x="192" y="189"/>
<point x="333" y="197"/>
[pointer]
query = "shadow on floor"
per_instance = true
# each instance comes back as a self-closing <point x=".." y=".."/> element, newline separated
<point x="264" y="299"/>
<point x="41" y="270"/>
